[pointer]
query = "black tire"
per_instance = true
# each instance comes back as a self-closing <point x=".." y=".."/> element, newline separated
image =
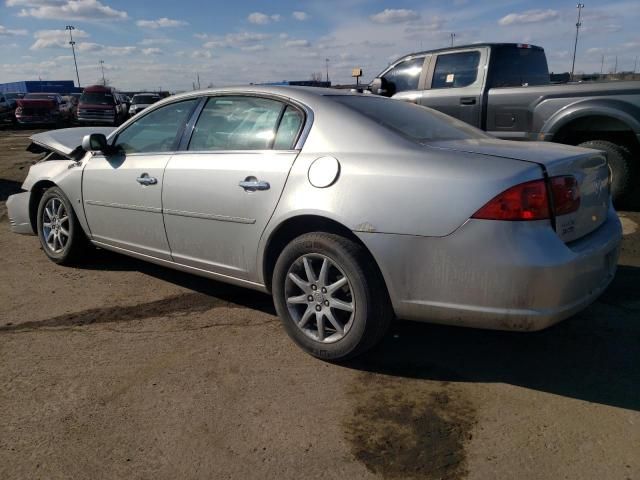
<point x="372" y="308"/>
<point x="620" y="163"/>
<point x="74" y="248"/>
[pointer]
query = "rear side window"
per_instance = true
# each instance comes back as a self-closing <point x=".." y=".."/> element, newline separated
<point x="414" y="122"/>
<point x="288" y="129"/>
<point x="517" y="67"/>
<point x="456" y="70"/>
<point x="236" y="123"/>
<point x="405" y="75"/>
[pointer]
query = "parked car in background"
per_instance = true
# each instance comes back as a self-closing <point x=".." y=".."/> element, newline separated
<point x="350" y="209"/>
<point x="43" y="109"/>
<point x="101" y="105"/>
<point x="505" y="89"/>
<point x="140" y="101"/>
<point x="7" y="109"/>
<point x="13" y="97"/>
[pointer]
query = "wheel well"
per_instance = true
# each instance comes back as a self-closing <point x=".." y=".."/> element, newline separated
<point x="34" y="200"/>
<point x="597" y="127"/>
<point x="296" y="226"/>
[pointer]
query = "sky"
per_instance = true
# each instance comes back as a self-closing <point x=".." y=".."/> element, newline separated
<point x="225" y="43"/>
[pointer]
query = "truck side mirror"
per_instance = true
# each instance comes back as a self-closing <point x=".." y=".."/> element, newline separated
<point x="379" y="86"/>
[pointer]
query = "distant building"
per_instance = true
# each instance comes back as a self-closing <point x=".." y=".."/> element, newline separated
<point x="34" y="86"/>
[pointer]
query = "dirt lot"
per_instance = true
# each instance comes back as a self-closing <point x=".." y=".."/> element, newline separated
<point x="121" y="369"/>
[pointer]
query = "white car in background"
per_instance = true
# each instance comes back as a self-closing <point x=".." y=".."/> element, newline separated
<point x="140" y="101"/>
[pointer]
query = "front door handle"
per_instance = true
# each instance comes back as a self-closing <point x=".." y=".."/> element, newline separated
<point x="251" y="184"/>
<point x="468" y="101"/>
<point x="145" y="179"/>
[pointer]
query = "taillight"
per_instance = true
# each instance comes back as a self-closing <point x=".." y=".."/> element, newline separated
<point x="527" y="201"/>
<point x="530" y="200"/>
<point x="566" y="195"/>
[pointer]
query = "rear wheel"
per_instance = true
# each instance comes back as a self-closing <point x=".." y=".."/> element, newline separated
<point x="331" y="299"/>
<point x="620" y="164"/>
<point x="59" y="231"/>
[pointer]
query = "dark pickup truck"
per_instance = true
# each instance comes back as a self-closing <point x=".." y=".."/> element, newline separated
<point x="504" y="88"/>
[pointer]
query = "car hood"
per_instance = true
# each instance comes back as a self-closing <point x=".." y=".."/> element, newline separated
<point x="66" y="141"/>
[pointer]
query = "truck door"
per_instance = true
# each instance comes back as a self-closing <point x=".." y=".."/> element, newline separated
<point x="454" y="85"/>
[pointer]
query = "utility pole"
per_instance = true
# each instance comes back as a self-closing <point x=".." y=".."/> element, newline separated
<point x="579" y="6"/>
<point x="104" y="82"/>
<point x="615" y="67"/>
<point x="453" y="35"/>
<point x="602" y="66"/>
<point x="73" y="49"/>
<point x="635" y="65"/>
<point x="326" y="60"/>
<point x="198" y="78"/>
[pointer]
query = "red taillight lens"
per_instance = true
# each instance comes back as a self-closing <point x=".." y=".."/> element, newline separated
<point x="566" y="195"/>
<point x="527" y="201"/>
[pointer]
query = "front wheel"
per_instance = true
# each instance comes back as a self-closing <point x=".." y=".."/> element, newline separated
<point x="59" y="231"/>
<point x="331" y="299"/>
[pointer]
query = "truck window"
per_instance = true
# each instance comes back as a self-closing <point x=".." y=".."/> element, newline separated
<point x="517" y="67"/>
<point x="456" y="70"/>
<point x="405" y="75"/>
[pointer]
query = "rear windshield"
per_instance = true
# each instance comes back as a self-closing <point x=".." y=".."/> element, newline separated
<point x="145" y="99"/>
<point x="97" y="98"/>
<point x="414" y="122"/>
<point x="518" y="67"/>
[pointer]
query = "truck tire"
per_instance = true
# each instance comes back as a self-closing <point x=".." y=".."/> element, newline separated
<point x="620" y="163"/>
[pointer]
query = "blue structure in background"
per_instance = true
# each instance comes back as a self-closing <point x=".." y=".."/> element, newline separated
<point x="35" y="86"/>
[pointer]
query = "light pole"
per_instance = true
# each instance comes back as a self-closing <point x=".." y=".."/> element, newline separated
<point x="579" y="6"/>
<point x="326" y="60"/>
<point x="73" y="49"/>
<point x="453" y="35"/>
<point x="104" y="82"/>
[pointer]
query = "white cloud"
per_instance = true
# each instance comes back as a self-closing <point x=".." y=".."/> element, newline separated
<point x="201" y="54"/>
<point x="104" y="49"/>
<point x="146" y="42"/>
<point x="262" y="18"/>
<point x="254" y="48"/>
<point x="163" y="22"/>
<point x="151" y="51"/>
<point x="201" y="36"/>
<point x="55" y="38"/>
<point x="395" y="15"/>
<point x="301" y="16"/>
<point x="530" y="16"/>
<point x="234" y="39"/>
<point x="297" y="43"/>
<point x="90" y="10"/>
<point x="6" y="32"/>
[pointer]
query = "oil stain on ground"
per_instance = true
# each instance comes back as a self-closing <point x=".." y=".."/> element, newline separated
<point x="408" y="428"/>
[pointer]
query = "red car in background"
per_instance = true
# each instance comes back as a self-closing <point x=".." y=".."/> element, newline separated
<point x="43" y="109"/>
<point x="100" y="105"/>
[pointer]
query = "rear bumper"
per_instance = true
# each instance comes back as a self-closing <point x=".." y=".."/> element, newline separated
<point x="18" y="209"/>
<point x="496" y="275"/>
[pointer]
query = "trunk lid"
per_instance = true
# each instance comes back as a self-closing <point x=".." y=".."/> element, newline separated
<point x="589" y="167"/>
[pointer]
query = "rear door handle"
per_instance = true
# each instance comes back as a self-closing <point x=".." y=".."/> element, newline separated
<point x="145" y="179"/>
<point x="251" y="184"/>
<point x="468" y="101"/>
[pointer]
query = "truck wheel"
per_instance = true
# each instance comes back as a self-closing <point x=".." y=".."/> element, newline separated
<point x="331" y="299"/>
<point x="620" y="164"/>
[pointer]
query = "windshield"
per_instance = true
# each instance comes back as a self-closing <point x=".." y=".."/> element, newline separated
<point x="12" y="96"/>
<point x="40" y="96"/>
<point x="145" y="99"/>
<point x="97" y="98"/>
<point x="414" y="122"/>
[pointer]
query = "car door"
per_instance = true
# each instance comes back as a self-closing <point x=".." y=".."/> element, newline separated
<point x="454" y="85"/>
<point x="122" y="192"/>
<point x="220" y="192"/>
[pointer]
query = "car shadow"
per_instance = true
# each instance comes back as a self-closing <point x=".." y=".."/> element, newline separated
<point x="594" y="356"/>
<point x="8" y="188"/>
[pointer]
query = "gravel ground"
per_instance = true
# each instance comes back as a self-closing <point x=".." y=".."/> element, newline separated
<point x="122" y="369"/>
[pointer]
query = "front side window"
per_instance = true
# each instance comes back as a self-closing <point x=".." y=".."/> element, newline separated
<point x="456" y="70"/>
<point x="157" y="131"/>
<point x="405" y="75"/>
<point x="236" y="123"/>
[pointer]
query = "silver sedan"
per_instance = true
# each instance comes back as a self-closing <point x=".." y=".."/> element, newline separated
<point x="350" y="209"/>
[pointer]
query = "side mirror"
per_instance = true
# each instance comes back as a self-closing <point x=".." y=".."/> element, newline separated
<point x="95" y="142"/>
<point x="379" y="86"/>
